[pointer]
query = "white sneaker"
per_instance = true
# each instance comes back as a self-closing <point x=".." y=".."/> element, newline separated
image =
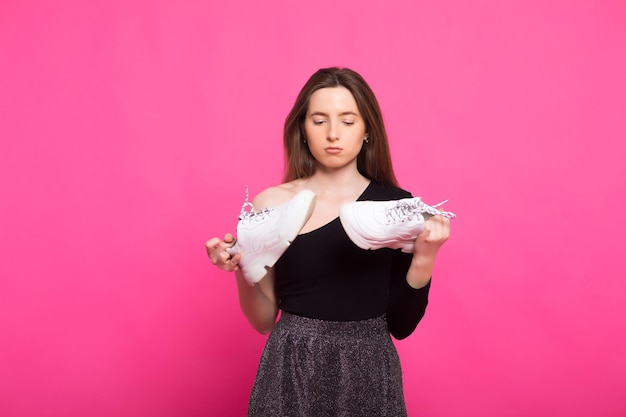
<point x="387" y="224"/>
<point x="263" y="236"/>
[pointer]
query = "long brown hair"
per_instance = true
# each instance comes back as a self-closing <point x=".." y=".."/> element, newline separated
<point x="374" y="160"/>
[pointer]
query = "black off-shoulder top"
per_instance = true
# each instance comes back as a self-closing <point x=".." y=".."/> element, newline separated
<point x="323" y="275"/>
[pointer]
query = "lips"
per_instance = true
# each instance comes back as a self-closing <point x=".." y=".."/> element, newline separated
<point x="333" y="149"/>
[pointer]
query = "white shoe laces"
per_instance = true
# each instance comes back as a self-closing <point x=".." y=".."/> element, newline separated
<point x="249" y="215"/>
<point x="405" y="210"/>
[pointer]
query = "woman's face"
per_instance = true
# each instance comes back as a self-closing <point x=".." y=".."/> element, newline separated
<point x="334" y="128"/>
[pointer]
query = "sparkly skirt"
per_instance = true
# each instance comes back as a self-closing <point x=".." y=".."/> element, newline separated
<point x="318" y="368"/>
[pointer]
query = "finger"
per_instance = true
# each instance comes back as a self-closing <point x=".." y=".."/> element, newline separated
<point x="211" y="245"/>
<point x="224" y="257"/>
<point x="442" y="229"/>
<point x="229" y="238"/>
<point x="437" y="228"/>
<point x="446" y="226"/>
<point x="218" y="254"/>
<point x="212" y="242"/>
<point x="232" y="263"/>
<point x="236" y="258"/>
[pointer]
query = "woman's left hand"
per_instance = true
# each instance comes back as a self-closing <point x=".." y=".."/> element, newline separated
<point x="436" y="233"/>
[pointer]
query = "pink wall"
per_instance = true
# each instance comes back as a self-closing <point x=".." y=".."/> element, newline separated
<point x="130" y="128"/>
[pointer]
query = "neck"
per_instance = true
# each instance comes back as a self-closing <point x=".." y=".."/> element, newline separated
<point x="337" y="183"/>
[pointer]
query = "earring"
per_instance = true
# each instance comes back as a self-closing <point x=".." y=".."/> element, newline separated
<point x="303" y="140"/>
<point x="366" y="140"/>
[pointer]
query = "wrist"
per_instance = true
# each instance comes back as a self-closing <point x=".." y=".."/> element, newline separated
<point x="420" y="271"/>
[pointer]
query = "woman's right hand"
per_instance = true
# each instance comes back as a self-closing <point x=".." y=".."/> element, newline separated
<point x="216" y="249"/>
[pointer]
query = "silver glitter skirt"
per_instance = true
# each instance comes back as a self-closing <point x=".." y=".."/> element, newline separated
<point x="318" y="368"/>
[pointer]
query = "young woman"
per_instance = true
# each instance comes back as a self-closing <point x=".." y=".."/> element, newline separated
<point x="330" y="353"/>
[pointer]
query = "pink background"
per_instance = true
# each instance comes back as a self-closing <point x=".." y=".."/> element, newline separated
<point x="129" y="130"/>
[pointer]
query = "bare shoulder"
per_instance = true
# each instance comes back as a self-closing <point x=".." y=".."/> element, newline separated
<point x="275" y="196"/>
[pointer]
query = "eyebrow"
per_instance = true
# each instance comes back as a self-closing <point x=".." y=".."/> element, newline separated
<point x="345" y="113"/>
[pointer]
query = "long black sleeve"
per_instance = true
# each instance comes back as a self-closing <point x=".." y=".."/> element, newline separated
<point x="407" y="305"/>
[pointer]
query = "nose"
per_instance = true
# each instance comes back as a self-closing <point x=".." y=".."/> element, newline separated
<point x="332" y="134"/>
